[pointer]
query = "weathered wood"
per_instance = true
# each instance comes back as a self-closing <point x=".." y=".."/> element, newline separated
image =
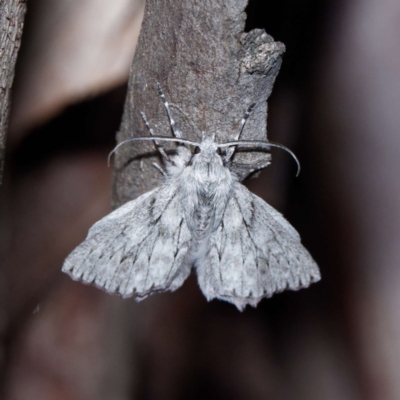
<point x="12" y="14"/>
<point x="210" y="70"/>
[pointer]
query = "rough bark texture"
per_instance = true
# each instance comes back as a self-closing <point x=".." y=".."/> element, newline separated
<point x="210" y="70"/>
<point x="12" y="14"/>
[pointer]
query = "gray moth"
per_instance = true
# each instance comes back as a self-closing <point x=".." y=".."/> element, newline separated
<point x="200" y="218"/>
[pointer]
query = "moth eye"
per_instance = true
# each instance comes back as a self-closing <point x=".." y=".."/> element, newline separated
<point x="197" y="150"/>
<point x="219" y="151"/>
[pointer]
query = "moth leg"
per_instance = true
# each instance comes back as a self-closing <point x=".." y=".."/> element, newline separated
<point x="177" y="132"/>
<point x="247" y="114"/>
<point x="244" y="170"/>
<point x="259" y="167"/>
<point x="164" y="155"/>
<point x="163" y="173"/>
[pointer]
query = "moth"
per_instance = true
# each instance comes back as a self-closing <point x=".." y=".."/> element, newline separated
<point x="201" y="217"/>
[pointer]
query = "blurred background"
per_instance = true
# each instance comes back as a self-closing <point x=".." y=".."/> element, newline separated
<point x="335" y="103"/>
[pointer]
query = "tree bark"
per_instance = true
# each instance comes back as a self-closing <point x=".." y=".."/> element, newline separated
<point x="12" y="14"/>
<point x="210" y="71"/>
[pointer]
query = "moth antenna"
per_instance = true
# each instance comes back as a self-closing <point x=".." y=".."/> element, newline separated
<point x="255" y="144"/>
<point x="240" y="130"/>
<point x="177" y="132"/>
<point x="165" y="138"/>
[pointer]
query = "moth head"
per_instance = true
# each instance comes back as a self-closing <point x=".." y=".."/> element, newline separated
<point x="207" y="151"/>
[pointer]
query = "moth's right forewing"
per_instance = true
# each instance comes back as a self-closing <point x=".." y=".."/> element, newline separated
<point x="138" y="249"/>
<point x="254" y="253"/>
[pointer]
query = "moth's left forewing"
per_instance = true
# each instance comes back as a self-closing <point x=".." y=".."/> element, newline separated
<point x="254" y="253"/>
<point x="138" y="249"/>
